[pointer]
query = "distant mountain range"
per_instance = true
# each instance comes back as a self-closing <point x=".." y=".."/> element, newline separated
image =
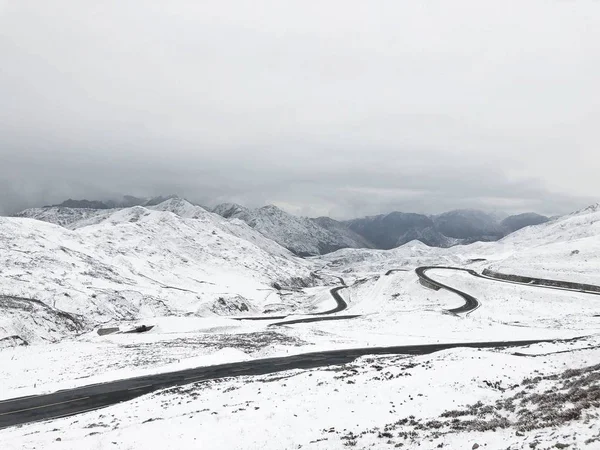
<point x="306" y="236"/>
<point x="316" y="236"/>
<point x="126" y="202"/>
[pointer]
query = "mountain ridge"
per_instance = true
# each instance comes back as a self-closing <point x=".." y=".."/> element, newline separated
<point x="306" y="236"/>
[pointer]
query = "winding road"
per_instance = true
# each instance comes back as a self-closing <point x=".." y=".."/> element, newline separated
<point x="340" y="305"/>
<point x="471" y="303"/>
<point x="74" y="401"/>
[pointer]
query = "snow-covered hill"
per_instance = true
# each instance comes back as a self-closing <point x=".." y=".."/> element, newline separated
<point x="61" y="215"/>
<point x="179" y="259"/>
<point x="301" y="235"/>
<point x="566" y="248"/>
<point x="138" y="262"/>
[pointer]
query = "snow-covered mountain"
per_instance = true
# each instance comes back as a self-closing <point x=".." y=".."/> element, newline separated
<point x="307" y="236"/>
<point x="301" y="235"/>
<point x="138" y="262"/>
<point x="566" y="248"/>
<point x="60" y="215"/>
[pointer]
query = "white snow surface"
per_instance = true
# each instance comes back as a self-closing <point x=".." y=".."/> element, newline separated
<point x="136" y="263"/>
<point x="375" y="403"/>
<point x="61" y="215"/>
<point x="169" y="265"/>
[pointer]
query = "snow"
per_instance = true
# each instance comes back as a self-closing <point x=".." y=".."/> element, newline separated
<point x="61" y="215"/>
<point x="139" y="263"/>
<point x="321" y="408"/>
<point x="301" y="235"/>
<point x="188" y="272"/>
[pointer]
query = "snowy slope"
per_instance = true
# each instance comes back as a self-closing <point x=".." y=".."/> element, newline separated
<point x="138" y="262"/>
<point x="234" y="227"/>
<point x="407" y="257"/>
<point x="61" y="215"/>
<point x="179" y="259"/>
<point x="455" y="399"/>
<point x="301" y="235"/>
<point x="74" y="218"/>
<point x="566" y="248"/>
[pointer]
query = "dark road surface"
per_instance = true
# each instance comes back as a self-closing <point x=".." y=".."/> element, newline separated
<point x="471" y="303"/>
<point x="391" y="271"/>
<point x="73" y="401"/>
<point x="339" y="302"/>
<point x="314" y="319"/>
<point x="544" y="286"/>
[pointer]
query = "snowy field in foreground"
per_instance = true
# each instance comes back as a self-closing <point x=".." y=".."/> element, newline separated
<point x="452" y="399"/>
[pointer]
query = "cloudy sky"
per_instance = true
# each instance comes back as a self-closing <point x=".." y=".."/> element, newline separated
<point x="340" y="107"/>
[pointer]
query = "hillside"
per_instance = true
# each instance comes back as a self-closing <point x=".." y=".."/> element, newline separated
<point x="137" y="262"/>
<point x="566" y="248"/>
<point x="60" y="215"/>
<point x="387" y="231"/>
<point x="307" y="236"/>
<point x="301" y="235"/>
<point x="514" y="223"/>
<point x="468" y="225"/>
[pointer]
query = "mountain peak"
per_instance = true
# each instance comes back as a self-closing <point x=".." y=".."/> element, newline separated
<point x="84" y="204"/>
<point x="588" y="209"/>
<point x="228" y="210"/>
<point x="173" y="201"/>
<point x="272" y="208"/>
<point x="160" y="199"/>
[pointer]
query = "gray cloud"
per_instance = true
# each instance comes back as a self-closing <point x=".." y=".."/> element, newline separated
<point x="344" y="108"/>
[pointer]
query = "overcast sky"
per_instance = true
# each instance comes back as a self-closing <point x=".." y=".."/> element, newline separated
<point x="339" y="107"/>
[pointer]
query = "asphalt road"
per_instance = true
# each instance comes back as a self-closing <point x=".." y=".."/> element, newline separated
<point x="339" y="301"/>
<point x="556" y="288"/>
<point x="391" y="271"/>
<point x="471" y="303"/>
<point x="340" y="305"/>
<point x="73" y="401"/>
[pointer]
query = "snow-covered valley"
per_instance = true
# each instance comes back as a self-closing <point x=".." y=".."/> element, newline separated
<point x="199" y="280"/>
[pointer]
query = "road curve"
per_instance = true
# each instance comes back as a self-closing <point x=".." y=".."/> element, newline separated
<point x="339" y="302"/>
<point x="391" y="271"/>
<point x="471" y="303"/>
<point x="74" y="401"/>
